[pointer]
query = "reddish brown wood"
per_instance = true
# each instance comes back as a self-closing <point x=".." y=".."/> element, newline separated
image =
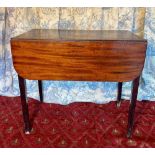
<point x="79" y="55"/>
<point x="78" y="35"/>
<point x="52" y="55"/>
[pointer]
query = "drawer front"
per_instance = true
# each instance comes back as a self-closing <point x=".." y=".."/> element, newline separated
<point x="78" y="60"/>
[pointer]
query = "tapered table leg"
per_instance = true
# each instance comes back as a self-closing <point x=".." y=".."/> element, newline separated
<point x="25" y="110"/>
<point x="119" y="94"/>
<point x="132" y="107"/>
<point x="40" y="90"/>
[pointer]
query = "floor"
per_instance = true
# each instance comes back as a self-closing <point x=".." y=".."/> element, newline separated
<point x="75" y="125"/>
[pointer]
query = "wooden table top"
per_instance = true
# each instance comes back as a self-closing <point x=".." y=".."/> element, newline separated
<point x="78" y="55"/>
<point x="78" y="35"/>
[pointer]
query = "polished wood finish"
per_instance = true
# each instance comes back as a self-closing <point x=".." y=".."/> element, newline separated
<point x="78" y="35"/>
<point x="60" y="58"/>
<point x="79" y="55"/>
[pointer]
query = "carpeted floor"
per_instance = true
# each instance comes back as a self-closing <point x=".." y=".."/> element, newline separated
<point x="75" y="125"/>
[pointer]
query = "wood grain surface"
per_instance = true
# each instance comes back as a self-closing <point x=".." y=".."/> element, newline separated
<point x="110" y="57"/>
<point x="78" y="35"/>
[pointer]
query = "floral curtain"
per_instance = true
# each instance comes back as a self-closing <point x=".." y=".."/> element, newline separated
<point x="14" y="21"/>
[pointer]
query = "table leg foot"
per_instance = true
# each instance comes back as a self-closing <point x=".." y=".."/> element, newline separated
<point x="128" y="135"/>
<point x="118" y="104"/>
<point x="119" y="94"/>
<point x="22" y="87"/>
<point x="40" y="90"/>
<point x="27" y="132"/>
<point x="132" y="107"/>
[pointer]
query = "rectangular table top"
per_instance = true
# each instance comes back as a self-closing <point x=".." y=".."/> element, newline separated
<point x="76" y="35"/>
<point x="79" y="55"/>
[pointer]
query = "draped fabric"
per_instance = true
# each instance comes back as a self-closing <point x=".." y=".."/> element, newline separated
<point x="14" y="21"/>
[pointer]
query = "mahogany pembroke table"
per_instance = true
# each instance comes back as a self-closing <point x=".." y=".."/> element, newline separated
<point x="79" y="55"/>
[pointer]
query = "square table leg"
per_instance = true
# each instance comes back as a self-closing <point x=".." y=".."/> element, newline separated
<point x="40" y="87"/>
<point x="119" y="94"/>
<point x="132" y="107"/>
<point x="24" y="103"/>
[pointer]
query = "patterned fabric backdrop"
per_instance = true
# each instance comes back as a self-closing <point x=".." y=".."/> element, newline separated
<point x="14" y="21"/>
